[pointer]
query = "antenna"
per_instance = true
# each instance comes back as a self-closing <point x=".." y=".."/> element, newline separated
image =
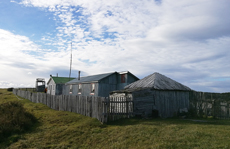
<point x="70" y="60"/>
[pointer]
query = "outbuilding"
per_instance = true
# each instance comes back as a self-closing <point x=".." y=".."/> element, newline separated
<point x="156" y="95"/>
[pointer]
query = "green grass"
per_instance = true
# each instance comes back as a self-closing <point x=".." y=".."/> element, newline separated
<point x="60" y="129"/>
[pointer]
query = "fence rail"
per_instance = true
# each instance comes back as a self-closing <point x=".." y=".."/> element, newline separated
<point x="104" y="109"/>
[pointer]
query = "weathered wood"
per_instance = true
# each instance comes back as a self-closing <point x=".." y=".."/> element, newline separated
<point x="104" y="109"/>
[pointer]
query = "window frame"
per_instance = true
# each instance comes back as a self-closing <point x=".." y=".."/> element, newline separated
<point x="123" y="79"/>
<point x="71" y="89"/>
<point x="92" y="88"/>
<point x="79" y="88"/>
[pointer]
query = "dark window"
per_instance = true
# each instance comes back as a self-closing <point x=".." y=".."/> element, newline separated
<point x="92" y="88"/>
<point x="122" y="78"/>
<point x="79" y="89"/>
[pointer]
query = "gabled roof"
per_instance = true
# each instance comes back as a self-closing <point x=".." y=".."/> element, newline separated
<point x="93" y="78"/>
<point x="61" y="80"/>
<point x="157" y="81"/>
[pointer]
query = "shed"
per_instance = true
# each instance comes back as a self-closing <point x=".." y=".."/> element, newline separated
<point x="156" y="94"/>
<point x="100" y="84"/>
<point x="55" y="84"/>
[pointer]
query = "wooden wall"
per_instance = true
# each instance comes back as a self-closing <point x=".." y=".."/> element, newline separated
<point x="107" y="85"/>
<point x="128" y="79"/>
<point x="51" y="87"/>
<point x="86" y="89"/>
<point x="103" y="87"/>
<point x="168" y="103"/>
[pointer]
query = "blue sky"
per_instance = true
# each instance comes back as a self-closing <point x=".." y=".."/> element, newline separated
<point x="188" y="41"/>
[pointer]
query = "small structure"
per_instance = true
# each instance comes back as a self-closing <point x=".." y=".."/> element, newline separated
<point x="156" y="95"/>
<point x="55" y="84"/>
<point x="40" y="85"/>
<point x="99" y="85"/>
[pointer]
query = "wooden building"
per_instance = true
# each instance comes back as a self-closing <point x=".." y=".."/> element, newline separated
<point x="156" y="94"/>
<point x="55" y="84"/>
<point x="99" y="85"/>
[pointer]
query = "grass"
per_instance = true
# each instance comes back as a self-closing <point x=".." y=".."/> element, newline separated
<point x="60" y="129"/>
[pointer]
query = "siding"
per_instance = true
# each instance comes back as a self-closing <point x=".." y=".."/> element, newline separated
<point x="107" y="85"/>
<point x="86" y="89"/>
<point x="58" y="89"/>
<point x="167" y="103"/>
<point x="105" y="89"/>
<point x="128" y="79"/>
<point x="131" y="79"/>
<point x="51" y="90"/>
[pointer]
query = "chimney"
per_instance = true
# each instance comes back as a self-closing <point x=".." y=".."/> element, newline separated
<point x="57" y="74"/>
<point x="79" y="75"/>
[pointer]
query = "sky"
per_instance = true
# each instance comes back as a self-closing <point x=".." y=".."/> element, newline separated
<point x="187" y="41"/>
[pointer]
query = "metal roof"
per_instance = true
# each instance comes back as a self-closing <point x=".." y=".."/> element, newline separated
<point x="61" y="80"/>
<point x="157" y="81"/>
<point x="93" y="78"/>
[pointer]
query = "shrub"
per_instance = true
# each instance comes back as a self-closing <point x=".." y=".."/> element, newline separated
<point x="14" y="118"/>
<point x="10" y="89"/>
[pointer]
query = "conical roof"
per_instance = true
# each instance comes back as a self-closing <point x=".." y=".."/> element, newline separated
<point x="157" y="81"/>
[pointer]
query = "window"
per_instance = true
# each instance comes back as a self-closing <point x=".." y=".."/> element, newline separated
<point x="53" y="87"/>
<point x="79" y="89"/>
<point x="122" y="78"/>
<point x="92" y="88"/>
<point x="70" y="89"/>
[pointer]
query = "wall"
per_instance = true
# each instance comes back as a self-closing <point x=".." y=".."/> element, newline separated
<point x="106" y="85"/>
<point x="103" y="87"/>
<point x="59" y="89"/>
<point x="129" y="79"/>
<point x="51" y="87"/>
<point x="86" y="89"/>
<point x="168" y="103"/>
<point x="97" y="107"/>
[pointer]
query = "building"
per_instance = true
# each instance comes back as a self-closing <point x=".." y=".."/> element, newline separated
<point x="99" y="85"/>
<point x="55" y="84"/>
<point x="156" y="95"/>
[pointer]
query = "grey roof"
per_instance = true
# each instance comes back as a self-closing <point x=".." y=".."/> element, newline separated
<point x="157" y="81"/>
<point x="93" y="78"/>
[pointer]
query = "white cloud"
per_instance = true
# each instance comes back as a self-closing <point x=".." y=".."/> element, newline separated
<point x="186" y="40"/>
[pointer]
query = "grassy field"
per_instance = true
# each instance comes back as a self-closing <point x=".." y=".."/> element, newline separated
<point x="59" y="129"/>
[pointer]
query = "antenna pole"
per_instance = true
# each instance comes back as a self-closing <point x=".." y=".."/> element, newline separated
<point x="70" y="60"/>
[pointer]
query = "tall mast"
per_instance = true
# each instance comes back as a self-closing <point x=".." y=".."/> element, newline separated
<point x="70" y="60"/>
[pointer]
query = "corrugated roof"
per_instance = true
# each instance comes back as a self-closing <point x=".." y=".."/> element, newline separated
<point x="157" y="81"/>
<point x="61" y="80"/>
<point x="93" y="78"/>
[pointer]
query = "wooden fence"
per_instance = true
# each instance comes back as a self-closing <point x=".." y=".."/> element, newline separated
<point x="104" y="109"/>
<point x="210" y="104"/>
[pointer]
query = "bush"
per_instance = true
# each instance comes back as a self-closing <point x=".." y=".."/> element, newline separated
<point x="10" y="89"/>
<point x="14" y="118"/>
